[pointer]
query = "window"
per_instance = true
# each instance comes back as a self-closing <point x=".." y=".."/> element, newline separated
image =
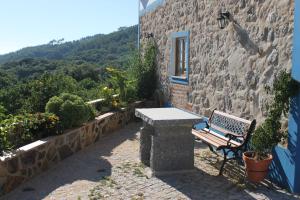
<point x="178" y="69"/>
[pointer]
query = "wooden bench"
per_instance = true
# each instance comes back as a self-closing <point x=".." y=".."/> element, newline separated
<point x="226" y="133"/>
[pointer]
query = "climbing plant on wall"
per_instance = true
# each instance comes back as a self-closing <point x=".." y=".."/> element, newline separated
<point x="143" y="67"/>
<point x="270" y="133"/>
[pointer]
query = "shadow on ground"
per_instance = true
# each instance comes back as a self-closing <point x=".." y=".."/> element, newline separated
<point x="88" y="165"/>
<point x="111" y="169"/>
<point x="206" y="184"/>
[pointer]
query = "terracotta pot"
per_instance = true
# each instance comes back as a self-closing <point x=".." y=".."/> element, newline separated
<point x="256" y="170"/>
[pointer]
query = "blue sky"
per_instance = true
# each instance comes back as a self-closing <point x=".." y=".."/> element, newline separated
<point x="31" y="22"/>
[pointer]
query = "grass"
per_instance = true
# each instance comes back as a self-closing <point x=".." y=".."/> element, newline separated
<point x="100" y="191"/>
<point x="139" y="196"/>
<point x="106" y="181"/>
<point x="137" y="169"/>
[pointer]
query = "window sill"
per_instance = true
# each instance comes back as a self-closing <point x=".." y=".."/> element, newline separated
<point x="179" y="80"/>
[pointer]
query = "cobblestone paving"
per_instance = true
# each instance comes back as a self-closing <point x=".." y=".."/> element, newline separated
<point x="110" y="169"/>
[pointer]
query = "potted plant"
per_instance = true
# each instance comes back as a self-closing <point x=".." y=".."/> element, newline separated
<point x="257" y="161"/>
<point x="270" y="132"/>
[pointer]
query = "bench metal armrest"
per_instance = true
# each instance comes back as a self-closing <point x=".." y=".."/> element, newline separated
<point x="207" y="125"/>
<point x="232" y="136"/>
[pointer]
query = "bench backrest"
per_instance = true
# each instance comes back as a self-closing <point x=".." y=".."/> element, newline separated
<point x="227" y="123"/>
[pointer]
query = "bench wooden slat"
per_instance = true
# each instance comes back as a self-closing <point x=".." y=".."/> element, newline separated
<point x="222" y="137"/>
<point x="213" y="138"/>
<point x="205" y="138"/>
<point x="223" y="130"/>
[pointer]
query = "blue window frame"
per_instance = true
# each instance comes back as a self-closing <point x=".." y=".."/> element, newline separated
<point x="179" y="66"/>
<point x="296" y="48"/>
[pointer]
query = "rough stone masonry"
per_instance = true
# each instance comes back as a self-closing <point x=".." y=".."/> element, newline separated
<point x="228" y="68"/>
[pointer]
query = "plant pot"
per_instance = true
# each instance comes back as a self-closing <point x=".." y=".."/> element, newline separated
<point x="256" y="170"/>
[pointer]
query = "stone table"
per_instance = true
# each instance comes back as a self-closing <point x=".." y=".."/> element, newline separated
<point x="166" y="142"/>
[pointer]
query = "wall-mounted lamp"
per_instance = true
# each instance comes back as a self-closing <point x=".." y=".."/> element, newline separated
<point x="148" y="35"/>
<point x="223" y="19"/>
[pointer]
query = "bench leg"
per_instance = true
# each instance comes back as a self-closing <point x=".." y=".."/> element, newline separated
<point x="224" y="161"/>
<point x="238" y="158"/>
<point x="210" y="148"/>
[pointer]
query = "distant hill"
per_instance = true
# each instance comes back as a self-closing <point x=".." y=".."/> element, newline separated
<point x="109" y="49"/>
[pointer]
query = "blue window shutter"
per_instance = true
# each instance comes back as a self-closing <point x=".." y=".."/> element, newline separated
<point x="172" y="57"/>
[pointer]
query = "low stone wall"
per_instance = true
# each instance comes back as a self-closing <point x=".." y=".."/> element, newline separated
<point x="40" y="155"/>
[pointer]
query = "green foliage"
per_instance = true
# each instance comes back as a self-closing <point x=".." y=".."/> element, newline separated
<point x="30" y="68"/>
<point x="111" y="100"/>
<point x="45" y="87"/>
<point x="82" y="70"/>
<point x="20" y="130"/>
<point x="32" y="96"/>
<point x="111" y="49"/>
<point x="88" y="83"/>
<point x="6" y="79"/>
<point x="59" y="78"/>
<point x="269" y="134"/>
<point x="143" y="69"/>
<point x="31" y="76"/>
<point x="13" y="98"/>
<point x="71" y="110"/>
<point x="122" y="83"/>
<point x="118" y="80"/>
<point x="3" y="113"/>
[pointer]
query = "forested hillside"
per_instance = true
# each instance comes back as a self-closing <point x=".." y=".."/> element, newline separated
<point x="110" y="49"/>
<point x="30" y="76"/>
<point x="44" y="89"/>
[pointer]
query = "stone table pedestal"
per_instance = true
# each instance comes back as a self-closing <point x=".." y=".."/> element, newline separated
<point x="166" y="142"/>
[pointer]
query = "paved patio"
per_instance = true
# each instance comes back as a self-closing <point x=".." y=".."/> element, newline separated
<point x="110" y="169"/>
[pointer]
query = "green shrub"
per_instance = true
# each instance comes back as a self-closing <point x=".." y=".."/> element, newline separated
<point x="71" y="110"/>
<point x="111" y="101"/>
<point x="3" y="113"/>
<point x="269" y="133"/>
<point x="45" y="87"/>
<point x="19" y="130"/>
<point x="143" y="69"/>
<point x="123" y="84"/>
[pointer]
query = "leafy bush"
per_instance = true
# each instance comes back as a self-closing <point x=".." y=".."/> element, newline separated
<point x="47" y="86"/>
<point x="143" y="70"/>
<point x="3" y="113"/>
<point x="269" y="134"/>
<point x="111" y="99"/>
<point x="20" y="130"/>
<point x="123" y="84"/>
<point x="32" y="96"/>
<point x="71" y="110"/>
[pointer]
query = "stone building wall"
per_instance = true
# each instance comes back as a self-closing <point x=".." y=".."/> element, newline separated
<point x="36" y="157"/>
<point x="228" y="68"/>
